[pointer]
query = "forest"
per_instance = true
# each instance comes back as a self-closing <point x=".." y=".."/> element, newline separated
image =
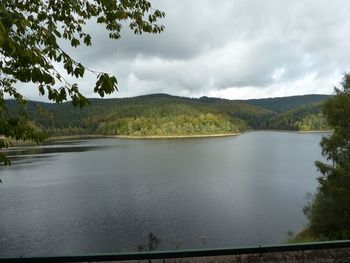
<point x="164" y="115"/>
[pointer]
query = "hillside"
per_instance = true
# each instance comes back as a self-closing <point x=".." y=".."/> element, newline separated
<point x="162" y="114"/>
<point x="282" y="104"/>
<point x="304" y="118"/>
<point x="251" y="114"/>
<point x="158" y="114"/>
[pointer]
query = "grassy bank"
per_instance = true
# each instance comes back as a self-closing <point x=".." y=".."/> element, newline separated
<point x="305" y="236"/>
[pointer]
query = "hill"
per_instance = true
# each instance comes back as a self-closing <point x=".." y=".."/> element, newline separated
<point x="157" y="114"/>
<point x="304" y="118"/>
<point x="282" y="104"/>
<point x="162" y="114"/>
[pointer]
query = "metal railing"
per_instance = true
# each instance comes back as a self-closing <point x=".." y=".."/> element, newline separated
<point x="185" y="253"/>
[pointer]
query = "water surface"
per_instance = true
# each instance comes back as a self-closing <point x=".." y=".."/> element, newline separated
<point x="107" y="195"/>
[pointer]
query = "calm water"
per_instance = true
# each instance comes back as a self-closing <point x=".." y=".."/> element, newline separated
<point x="107" y="195"/>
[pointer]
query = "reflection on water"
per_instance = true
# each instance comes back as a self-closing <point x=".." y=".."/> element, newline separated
<point x="152" y="244"/>
<point x="110" y="195"/>
<point x="28" y="154"/>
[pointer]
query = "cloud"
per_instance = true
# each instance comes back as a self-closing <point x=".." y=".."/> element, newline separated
<point x="231" y="48"/>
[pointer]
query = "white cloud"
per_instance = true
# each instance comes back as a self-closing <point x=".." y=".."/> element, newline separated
<point x="231" y="48"/>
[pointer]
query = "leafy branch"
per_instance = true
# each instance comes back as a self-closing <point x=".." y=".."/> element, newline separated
<point x="29" y="47"/>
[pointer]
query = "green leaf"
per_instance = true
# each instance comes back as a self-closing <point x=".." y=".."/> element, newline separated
<point x="2" y="34"/>
<point x="87" y="40"/>
<point x="75" y="42"/>
<point x="41" y="90"/>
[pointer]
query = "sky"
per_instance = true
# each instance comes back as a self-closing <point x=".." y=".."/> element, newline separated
<point x="235" y="49"/>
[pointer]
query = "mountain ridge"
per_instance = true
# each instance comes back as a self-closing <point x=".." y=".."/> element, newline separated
<point x="165" y="115"/>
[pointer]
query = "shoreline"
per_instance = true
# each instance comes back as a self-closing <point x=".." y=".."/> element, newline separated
<point x="100" y="136"/>
<point x="325" y="131"/>
<point x="76" y="137"/>
<point x="174" y="136"/>
<point x="14" y="143"/>
<point x="293" y="131"/>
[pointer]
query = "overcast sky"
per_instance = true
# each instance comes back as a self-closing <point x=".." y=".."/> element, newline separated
<point x="234" y="49"/>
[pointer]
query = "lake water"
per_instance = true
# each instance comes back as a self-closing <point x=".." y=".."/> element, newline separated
<point x="107" y="195"/>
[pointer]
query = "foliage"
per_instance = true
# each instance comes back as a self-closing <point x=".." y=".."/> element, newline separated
<point x="329" y="212"/>
<point x="305" y="236"/>
<point x="15" y="124"/>
<point x="253" y="115"/>
<point x="171" y="125"/>
<point x="304" y="118"/>
<point x="31" y="37"/>
<point x="145" y="115"/>
<point x="286" y="113"/>
<point x="313" y="122"/>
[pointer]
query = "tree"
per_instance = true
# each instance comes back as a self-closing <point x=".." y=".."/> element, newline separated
<point x="329" y="212"/>
<point x="31" y="35"/>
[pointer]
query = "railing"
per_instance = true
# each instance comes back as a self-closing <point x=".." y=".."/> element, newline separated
<point x="260" y="250"/>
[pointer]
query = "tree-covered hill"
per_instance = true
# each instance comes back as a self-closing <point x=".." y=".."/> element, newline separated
<point x="304" y="118"/>
<point x="162" y="114"/>
<point x="252" y="115"/>
<point x="282" y="104"/>
<point x="158" y="114"/>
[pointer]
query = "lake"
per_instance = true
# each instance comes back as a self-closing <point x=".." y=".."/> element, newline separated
<point x="107" y="195"/>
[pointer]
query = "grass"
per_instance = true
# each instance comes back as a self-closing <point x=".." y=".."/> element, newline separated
<point x="305" y="236"/>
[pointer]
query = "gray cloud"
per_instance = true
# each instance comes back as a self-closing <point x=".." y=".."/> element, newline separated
<point x="233" y="49"/>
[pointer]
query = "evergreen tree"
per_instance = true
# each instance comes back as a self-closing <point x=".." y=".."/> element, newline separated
<point x="329" y="213"/>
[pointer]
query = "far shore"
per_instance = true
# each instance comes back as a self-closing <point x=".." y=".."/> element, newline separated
<point x="173" y="136"/>
<point x="77" y="137"/>
<point x="82" y="137"/>
<point x="315" y="131"/>
<point x="99" y="136"/>
<point x="293" y="131"/>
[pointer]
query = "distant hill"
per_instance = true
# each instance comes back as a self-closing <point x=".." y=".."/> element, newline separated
<point x="304" y="118"/>
<point x="163" y="114"/>
<point x="282" y="104"/>
<point x="251" y="114"/>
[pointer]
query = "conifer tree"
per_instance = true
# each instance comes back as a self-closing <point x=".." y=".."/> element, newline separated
<point x="329" y="212"/>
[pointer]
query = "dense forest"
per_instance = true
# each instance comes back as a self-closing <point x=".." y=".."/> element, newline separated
<point x="162" y="114"/>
